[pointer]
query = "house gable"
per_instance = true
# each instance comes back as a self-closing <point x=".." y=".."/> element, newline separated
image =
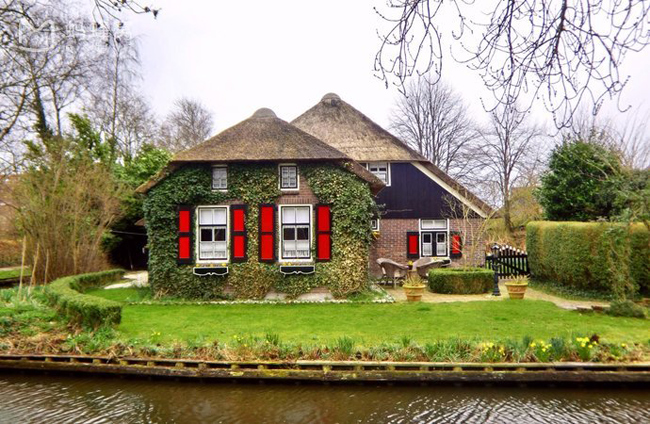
<point x="416" y="193"/>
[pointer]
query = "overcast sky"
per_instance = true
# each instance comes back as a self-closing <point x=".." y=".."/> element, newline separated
<point x="236" y="57"/>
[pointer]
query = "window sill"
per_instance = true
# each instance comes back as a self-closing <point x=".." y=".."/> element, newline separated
<point x="297" y="269"/>
<point x="203" y="271"/>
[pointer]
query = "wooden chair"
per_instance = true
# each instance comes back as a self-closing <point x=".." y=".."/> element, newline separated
<point x="392" y="271"/>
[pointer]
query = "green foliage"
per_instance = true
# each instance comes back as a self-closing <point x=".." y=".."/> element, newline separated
<point x="581" y="183"/>
<point x="627" y="308"/>
<point x="352" y="206"/>
<point x="461" y="280"/>
<point x="608" y="258"/>
<point x="66" y="294"/>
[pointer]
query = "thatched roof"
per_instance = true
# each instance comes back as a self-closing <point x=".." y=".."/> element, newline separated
<point x="263" y="138"/>
<point x="353" y="133"/>
<point x="350" y="131"/>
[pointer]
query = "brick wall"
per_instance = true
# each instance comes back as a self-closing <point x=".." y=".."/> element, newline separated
<point x="391" y="242"/>
<point x="303" y="195"/>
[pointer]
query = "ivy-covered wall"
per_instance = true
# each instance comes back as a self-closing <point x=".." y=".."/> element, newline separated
<point x="352" y="206"/>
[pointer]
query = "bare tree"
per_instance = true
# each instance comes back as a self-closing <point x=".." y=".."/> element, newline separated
<point x="433" y="119"/>
<point x="559" y="51"/>
<point x="45" y="68"/>
<point x="508" y="150"/>
<point x="115" y="106"/>
<point x="188" y="124"/>
<point x="628" y="137"/>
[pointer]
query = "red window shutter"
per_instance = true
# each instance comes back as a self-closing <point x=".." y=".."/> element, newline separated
<point x="267" y="233"/>
<point x="184" y="255"/>
<point x="323" y="233"/>
<point x="413" y="245"/>
<point x="238" y="233"/>
<point x="456" y="246"/>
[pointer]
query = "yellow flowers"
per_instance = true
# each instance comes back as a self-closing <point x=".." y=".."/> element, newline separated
<point x="541" y="344"/>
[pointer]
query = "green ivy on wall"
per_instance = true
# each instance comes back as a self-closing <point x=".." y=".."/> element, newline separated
<point x="352" y="207"/>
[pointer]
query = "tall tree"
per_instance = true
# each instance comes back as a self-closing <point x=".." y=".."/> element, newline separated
<point x="188" y="124"/>
<point x="506" y="153"/>
<point x="558" y="50"/>
<point x="433" y="119"/>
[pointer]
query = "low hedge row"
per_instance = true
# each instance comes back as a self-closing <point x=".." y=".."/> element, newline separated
<point x="461" y="280"/>
<point x="589" y="256"/>
<point x="66" y="294"/>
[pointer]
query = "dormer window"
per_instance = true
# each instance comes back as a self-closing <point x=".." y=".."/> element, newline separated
<point x="219" y="178"/>
<point x="288" y="177"/>
<point x="380" y="170"/>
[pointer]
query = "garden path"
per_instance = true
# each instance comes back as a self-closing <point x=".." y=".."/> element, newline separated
<point x="135" y="279"/>
<point x="428" y="297"/>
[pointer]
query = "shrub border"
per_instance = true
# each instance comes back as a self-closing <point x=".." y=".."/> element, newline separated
<point x="66" y="295"/>
<point x="460" y="273"/>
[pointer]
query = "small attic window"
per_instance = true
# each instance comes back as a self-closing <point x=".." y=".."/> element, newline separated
<point x="381" y="170"/>
<point x="288" y="177"/>
<point x="220" y="177"/>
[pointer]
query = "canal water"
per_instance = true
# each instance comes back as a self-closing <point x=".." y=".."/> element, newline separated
<point x="62" y="399"/>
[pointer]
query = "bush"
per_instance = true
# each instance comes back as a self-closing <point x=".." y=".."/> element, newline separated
<point x="590" y="256"/>
<point x="627" y="308"/>
<point x="461" y="280"/>
<point x="66" y="294"/>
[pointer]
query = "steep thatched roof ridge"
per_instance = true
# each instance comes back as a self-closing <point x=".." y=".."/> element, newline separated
<point x="350" y="131"/>
<point x="262" y="137"/>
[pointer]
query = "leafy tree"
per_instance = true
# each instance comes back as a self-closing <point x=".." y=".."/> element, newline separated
<point x="125" y="238"/>
<point x="582" y="182"/>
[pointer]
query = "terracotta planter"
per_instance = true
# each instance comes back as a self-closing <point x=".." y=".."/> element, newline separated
<point x="414" y="293"/>
<point x="516" y="290"/>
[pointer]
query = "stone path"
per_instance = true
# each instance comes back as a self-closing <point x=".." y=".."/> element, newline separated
<point x="136" y="279"/>
<point x="428" y="297"/>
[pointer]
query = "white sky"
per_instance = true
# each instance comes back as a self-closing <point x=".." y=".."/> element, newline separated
<point x="236" y="57"/>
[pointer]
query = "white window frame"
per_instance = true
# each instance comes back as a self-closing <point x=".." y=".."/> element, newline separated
<point x="431" y="226"/>
<point x="220" y="188"/>
<point x="280" y="166"/>
<point x="388" y="175"/>
<point x="281" y="258"/>
<point x="374" y="221"/>
<point x="198" y="235"/>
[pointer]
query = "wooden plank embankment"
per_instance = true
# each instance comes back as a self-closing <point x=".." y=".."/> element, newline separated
<point x="341" y="371"/>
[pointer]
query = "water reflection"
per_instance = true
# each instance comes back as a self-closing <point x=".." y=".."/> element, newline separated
<point x="56" y="399"/>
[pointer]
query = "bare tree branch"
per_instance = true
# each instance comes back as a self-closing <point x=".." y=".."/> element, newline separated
<point x="559" y="52"/>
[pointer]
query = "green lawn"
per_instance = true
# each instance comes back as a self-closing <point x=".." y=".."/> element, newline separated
<point x="130" y="294"/>
<point x="373" y="323"/>
<point x="13" y="273"/>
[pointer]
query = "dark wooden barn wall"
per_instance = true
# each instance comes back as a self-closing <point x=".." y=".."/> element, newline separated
<point x="412" y="194"/>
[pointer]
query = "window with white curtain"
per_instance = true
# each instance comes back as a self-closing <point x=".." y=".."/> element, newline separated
<point x="295" y="232"/>
<point x="213" y="233"/>
<point x="381" y="170"/>
<point x="288" y="177"/>
<point x="220" y="178"/>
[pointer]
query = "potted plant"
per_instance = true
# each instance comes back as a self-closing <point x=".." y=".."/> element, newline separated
<point x="517" y="287"/>
<point x="413" y="287"/>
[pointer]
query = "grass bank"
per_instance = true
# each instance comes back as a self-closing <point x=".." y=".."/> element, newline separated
<point x="371" y="324"/>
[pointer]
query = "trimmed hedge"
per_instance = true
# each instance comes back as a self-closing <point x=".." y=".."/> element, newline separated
<point x="590" y="256"/>
<point x="461" y="280"/>
<point x="66" y="294"/>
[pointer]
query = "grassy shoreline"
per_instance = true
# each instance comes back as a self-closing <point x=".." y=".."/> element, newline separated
<point x="457" y="332"/>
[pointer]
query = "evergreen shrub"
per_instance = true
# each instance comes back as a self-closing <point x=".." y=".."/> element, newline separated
<point x="461" y="280"/>
<point x="604" y="257"/>
<point x="66" y="294"/>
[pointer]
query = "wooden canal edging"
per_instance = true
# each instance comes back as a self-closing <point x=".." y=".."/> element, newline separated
<point x="330" y="371"/>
